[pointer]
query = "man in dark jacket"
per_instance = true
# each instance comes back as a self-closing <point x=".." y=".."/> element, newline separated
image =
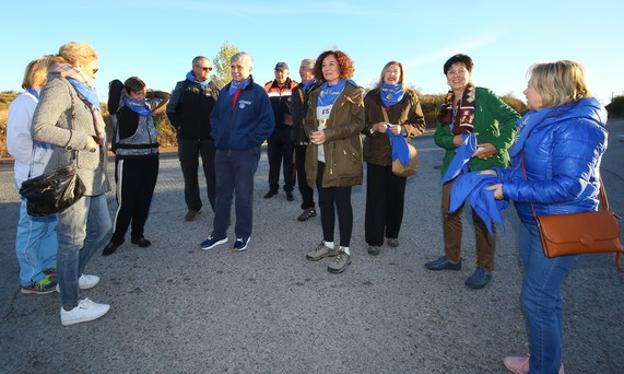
<point x="299" y="108"/>
<point x="281" y="147"/>
<point x="241" y="120"/>
<point x="189" y="111"/>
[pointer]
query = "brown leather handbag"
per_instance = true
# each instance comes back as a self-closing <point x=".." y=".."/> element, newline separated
<point x="580" y="233"/>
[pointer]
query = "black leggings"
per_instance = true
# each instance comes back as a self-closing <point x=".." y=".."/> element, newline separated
<point x="341" y="198"/>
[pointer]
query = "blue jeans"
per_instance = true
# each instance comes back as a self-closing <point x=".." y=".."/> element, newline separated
<point x="541" y="300"/>
<point x="235" y="172"/>
<point x="83" y="229"/>
<point x="35" y="245"/>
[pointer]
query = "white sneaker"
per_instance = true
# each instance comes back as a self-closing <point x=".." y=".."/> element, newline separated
<point x="85" y="311"/>
<point x="85" y="282"/>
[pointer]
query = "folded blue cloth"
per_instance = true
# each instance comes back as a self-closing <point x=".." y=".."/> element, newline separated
<point x="472" y="187"/>
<point x="463" y="153"/>
<point x="400" y="150"/>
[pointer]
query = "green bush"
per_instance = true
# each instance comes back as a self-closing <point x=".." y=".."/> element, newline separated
<point x="616" y="107"/>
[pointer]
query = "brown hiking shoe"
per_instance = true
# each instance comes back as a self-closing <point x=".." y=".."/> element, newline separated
<point x="340" y="263"/>
<point x="321" y="251"/>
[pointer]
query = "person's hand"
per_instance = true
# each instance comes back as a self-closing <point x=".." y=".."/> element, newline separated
<point x="488" y="172"/>
<point x="380" y="127"/>
<point x="457" y="140"/>
<point x="91" y="145"/>
<point x="498" y="190"/>
<point x="318" y="137"/>
<point x="396" y="129"/>
<point x="487" y="151"/>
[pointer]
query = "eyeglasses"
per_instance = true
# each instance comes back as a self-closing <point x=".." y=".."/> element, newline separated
<point x="205" y="68"/>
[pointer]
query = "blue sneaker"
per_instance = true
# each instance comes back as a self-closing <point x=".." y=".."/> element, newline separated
<point x="212" y="242"/>
<point x="240" y="244"/>
<point x="478" y="279"/>
<point x="443" y="263"/>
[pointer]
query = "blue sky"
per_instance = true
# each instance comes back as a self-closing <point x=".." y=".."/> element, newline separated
<point x="157" y="39"/>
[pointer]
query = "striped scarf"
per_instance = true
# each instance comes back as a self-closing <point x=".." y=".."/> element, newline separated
<point x="459" y="119"/>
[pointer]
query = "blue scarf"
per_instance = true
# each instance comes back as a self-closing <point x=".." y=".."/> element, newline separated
<point x="234" y="86"/>
<point x="391" y="94"/>
<point x="137" y="106"/>
<point x="33" y="92"/>
<point x="190" y="77"/>
<point x="526" y="124"/>
<point x="308" y="84"/>
<point x="463" y="154"/>
<point x="400" y="150"/>
<point x="87" y="92"/>
<point x="472" y="187"/>
<point x="329" y="94"/>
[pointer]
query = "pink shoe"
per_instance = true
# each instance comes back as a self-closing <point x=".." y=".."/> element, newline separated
<point x="520" y="365"/>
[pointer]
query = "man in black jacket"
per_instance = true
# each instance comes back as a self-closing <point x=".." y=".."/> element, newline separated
<point x="189" y="111"/>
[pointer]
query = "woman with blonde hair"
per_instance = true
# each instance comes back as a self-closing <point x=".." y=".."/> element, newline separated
<point x="555" y="169"/>
<point x="68" y="117"/>
<point x="35" y="242"/>
<point x="389" y="107"/>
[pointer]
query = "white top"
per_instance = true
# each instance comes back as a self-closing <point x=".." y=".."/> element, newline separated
<point x="322" y="115"/>
<point x="30" y="160"/>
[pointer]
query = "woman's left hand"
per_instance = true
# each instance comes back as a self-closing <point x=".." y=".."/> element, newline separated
<point x="318" y="137"/>
<point x="396" y="129"/>
<point x="498" y="190"/>
<point x="488" y="150"/>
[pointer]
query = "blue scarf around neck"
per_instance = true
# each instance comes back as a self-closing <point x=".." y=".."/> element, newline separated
<point x="191" y="77"/>
<point x="308" y="84"/>
<point x="329" y="94"/>
<point x="33" y="92"/>
<point x="234" y="85"/>
<point x="88" y="93"/>
<point x="391" y="94"/>
<point x="526" y="124"/>
<point x="137" y="106"/>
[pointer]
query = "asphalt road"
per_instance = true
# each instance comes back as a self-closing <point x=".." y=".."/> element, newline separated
<point x="178" y="309"/>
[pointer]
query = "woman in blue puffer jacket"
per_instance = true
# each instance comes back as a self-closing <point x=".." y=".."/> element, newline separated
<point x="561" y="140"/>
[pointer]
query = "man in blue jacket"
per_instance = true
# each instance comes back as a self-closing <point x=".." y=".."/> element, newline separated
<point x="241" y="120"/>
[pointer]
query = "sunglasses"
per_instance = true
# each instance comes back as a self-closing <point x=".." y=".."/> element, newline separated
<point x="209" y="68"/>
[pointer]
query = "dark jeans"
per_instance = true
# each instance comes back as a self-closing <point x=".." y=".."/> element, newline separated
<point x="236" y="170"/>
<point x="307" y="193"/>
<point x="452" y="227"/>
<point x="341" y="198"/>
<point x="384" y="204"/>
<point x="136" y="179"/>
<point x="189" y="151"/>
<point x="280" y="152"/>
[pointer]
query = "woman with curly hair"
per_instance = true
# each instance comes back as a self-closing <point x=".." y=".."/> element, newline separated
<point x="333" y="123"/>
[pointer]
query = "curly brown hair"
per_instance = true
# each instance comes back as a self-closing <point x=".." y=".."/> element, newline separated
<point x="344" y="62"/>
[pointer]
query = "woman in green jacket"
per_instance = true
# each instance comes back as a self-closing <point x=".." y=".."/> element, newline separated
<point x="333" y="123"/>
<point x="477" y="110"/>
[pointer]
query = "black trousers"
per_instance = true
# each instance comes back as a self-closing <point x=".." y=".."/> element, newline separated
<point x="136" y="178"/>
<point x="189" y="151"/>
<point x="385" y="196"/>
<point x="307" y="193"/>
<point x="340" y="197"/>
<point x="280" y="153"/>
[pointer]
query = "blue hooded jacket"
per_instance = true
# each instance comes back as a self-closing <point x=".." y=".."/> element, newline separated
<point x="562" y="153"/>
<point x="246" y="123"/>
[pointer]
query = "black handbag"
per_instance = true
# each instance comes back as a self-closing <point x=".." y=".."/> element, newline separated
<point x="52" y="192"/>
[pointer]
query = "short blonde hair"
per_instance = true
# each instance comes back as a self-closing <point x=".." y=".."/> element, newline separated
<point x="75" y="54"/>
<point x="386" y="67"/>
<point x="35" y="74"/>
<point x="559" y="82"/>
